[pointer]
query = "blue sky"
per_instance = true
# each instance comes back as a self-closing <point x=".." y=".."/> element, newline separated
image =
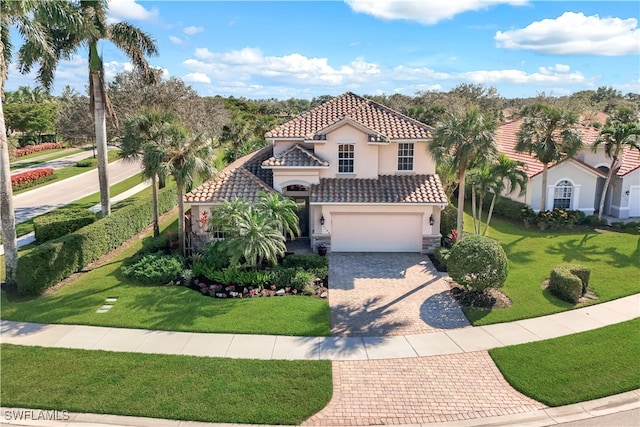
<point x="302" y="49"/>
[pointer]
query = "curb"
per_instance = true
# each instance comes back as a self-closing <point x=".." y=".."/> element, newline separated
<point x="543" y="417"/>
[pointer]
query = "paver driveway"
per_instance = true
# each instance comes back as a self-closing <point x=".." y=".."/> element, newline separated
<point x="382" y="294"/>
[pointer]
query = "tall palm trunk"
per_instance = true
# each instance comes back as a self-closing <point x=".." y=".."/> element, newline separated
<point x="181" y="220"/>
<point x="6" y="198"/>
<point x="461" y="176"/>
<point x="606" y="187"/>
<point x="491" y="206"/>
<point x="543" y="201"/>
<point x="156" y="215"/>
<point x="101" y="141"/>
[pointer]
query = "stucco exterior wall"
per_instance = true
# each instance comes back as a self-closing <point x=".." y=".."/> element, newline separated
<point x="583" y="181"/>
<point x="625" y="205"/>
<point x="423" y="163"/>
<point x="365" y="163"/>
<point x="594" y="159"/>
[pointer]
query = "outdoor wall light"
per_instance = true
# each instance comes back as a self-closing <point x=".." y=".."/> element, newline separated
<point x="626" y="192"/>
<point x="431" y="220"/>
<point x="321" y="219"/>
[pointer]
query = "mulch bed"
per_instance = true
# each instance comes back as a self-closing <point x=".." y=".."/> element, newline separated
<point x="493" y="298"/>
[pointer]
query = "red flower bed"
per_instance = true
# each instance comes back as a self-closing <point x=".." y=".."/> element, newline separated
<point x="30" y="176"/>
<point x="30" y="149"/>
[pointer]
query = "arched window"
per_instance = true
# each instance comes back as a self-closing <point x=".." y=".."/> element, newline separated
<point x="562" y="195"/>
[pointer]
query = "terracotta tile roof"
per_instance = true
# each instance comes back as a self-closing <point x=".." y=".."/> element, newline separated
<point x="243" y="178"/>
<point x="507" y="137"/>
<point x="229" y="185"/>
<point x="385" y="189"/>
<point x="385" y="123"/>
<point x="295" y="156"/>
<point x="630" y="161"/>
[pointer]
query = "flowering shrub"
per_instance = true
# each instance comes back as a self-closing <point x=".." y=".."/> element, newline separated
<point x="28" y="177"/>
<point x="30" y="149"/>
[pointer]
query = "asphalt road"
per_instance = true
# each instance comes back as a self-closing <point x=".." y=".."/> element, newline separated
<point x="44" y="199"/>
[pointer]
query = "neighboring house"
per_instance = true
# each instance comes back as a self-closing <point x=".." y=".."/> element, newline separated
<point x="578" y="183"/>
<point x="359" y="172"/>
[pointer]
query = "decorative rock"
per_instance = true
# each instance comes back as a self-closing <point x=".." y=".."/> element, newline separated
<point x="323" y="295"/>
<point x="280" y="292"/>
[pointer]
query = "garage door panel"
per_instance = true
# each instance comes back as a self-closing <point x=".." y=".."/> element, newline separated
<point x="376" y="232"/>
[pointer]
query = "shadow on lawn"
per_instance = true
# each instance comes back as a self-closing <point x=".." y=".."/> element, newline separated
<point x="577" y="250"/>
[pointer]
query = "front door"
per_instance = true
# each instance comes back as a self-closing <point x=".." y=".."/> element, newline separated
<point x="303" y="215"/>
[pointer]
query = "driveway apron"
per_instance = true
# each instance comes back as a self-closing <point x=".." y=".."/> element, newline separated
<point x="383" y="294"/>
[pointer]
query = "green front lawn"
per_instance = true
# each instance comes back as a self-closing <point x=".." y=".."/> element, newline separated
<point x="164" y="386"/>
<point x="173" y="308"/>
<point x="575" y="368"/>
<point x="613" y="257"/>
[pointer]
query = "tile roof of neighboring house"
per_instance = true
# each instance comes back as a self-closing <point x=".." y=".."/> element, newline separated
<point x="385" y="189"/>
<point x="507" y="137"/>
<point x="295" y="156"/>
<point x="243" y="178"/>
<point x="630" y="161"/>
<point x="386" y="123"/>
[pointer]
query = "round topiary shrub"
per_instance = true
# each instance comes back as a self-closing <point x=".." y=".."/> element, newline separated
<point x="478" y="263"/>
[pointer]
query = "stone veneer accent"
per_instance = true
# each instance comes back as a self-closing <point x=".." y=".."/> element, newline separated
<point x="430" y="243"/>
<point x="317" y="239"/>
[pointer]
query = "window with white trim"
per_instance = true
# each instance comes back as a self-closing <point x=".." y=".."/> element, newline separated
<point x="405" y="156"/>
<point x="345" y="158"/>
<point x="562" y="195"/>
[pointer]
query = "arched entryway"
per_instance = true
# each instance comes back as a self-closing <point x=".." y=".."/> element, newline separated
<point x="299" y="193"/>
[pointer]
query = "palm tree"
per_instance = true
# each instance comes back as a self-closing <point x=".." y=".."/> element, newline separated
<point x="93" y="27"/>
<point x="256" y="237"/>
<point x="282" y="210"/>
<point x="30" y="26"/>
<point x="187" y="158"/>
<point x="140" y="131"/>
<point x="509" y="176"/>
<point x="547" y="133"/>
<point x="481" y="181"/>
<point x="615" y="136"/>
<point x="467" y="139"/>
<point x="237" y="133"/>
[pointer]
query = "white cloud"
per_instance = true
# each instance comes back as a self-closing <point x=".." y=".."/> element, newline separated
<point x="122" y="10"/>
<point x="426" y="12"/>
<point x="114" y="67"/>
<point x="247" y="63"/>
<point x="575" y="34"/>
<point x="196" y="78"/>
<point x="192" y="30"/>
<point x="560" y="68"/>
<point x="492" y="77"/>
<point x="176" y="40"/>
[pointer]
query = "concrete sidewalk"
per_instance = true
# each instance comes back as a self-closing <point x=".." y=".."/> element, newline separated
<point x="449" y="342"/>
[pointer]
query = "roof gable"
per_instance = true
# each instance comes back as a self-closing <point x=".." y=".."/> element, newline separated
<point x="383" y="121"/>
<point x="295" y="157"/>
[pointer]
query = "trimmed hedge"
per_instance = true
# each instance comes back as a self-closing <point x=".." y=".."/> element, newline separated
<point x="448" y="220"/>
<point x="61" y="222"/>
<point x="20" y="180"/>
<point x="569" y="282"/>
<point x="56" y="260"/>
<point x="313" y="263"/>
<point x="154" y="269"/>
<point x="19" y="152"/>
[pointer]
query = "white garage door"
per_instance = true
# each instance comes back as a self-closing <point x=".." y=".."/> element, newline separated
<point x="376" y="232"/>
<point x="634" y="201"/>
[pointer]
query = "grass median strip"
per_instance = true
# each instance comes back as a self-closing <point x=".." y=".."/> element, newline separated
<point x="575" y="368"/>
<point x="164" y="386"/>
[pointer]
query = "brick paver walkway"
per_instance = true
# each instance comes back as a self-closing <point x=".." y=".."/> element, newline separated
<point x="389" y="294"/>
<point x="424" y="390"/>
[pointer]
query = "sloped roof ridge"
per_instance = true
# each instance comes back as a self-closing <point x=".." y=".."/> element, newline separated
<point x="395" y="113"/>
<point x="311" y="155"/>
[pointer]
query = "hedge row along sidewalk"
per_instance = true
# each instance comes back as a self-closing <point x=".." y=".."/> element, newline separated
<point x="57" y="259"/>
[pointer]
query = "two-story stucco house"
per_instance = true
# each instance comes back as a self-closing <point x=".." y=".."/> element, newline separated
<point x="577" y="183"/>
<point x="359" y="172"/>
